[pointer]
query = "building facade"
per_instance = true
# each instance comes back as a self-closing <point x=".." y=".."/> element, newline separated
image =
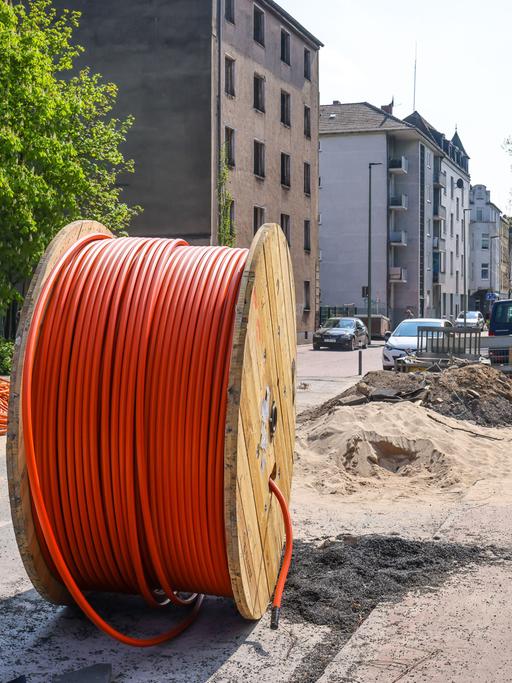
<point x="201" y="77"/>
<point x="490" y="257"/>
<point x="420" y="191"/>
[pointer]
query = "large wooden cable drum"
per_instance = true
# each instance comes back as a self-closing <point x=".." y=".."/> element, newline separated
<point x="259" y="430"/>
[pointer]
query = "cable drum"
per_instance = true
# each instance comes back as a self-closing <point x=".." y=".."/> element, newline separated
<point x="151" y="421"/>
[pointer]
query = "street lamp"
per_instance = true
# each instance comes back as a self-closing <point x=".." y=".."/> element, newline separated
<point x="369" y="292"/>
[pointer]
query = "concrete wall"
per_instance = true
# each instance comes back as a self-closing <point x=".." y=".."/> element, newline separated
<point x="159" y="54"/>
<point x="343" y="232"/>
<point x="249" y="125"/>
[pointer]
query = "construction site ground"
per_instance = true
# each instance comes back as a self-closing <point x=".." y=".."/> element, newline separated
<point x="402" y="569"/>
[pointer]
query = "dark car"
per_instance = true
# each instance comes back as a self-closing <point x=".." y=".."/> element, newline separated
<point x="501" y="318"/>
<point x="345" y="333"/>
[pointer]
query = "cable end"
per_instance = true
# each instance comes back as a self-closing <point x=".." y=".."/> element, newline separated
<point x="274" y="618"/>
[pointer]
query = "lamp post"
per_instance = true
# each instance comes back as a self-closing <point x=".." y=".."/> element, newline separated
<point x="369" y="317"/>
<point x="464" y="238"/>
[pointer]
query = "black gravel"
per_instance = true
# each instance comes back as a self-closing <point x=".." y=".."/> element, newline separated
<point x="339" y="583"/>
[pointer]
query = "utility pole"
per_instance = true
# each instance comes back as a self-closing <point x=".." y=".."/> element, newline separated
<point x="369" y="317"/>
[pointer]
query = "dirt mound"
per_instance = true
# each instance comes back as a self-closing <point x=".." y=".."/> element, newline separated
<point x="476" y="393"/>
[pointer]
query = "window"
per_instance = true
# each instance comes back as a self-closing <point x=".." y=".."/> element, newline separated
<point x="259" y="93"/>
<point x="307" y="235"/>
<point x="429" y="158"/>
<point x="258" y="218"/>
<point x="456" y="245"/>
<point x="457" y="208"/>
<point x="307" y="64"/>
<point x="307" y="178"/>
<point x="451" y="225"/>
<point x="451" y="186"/>
<point x="307" y="122"/>
<point x="485" y="241"/>
<point x="229" y="138"/>
<point x="285" y="170"/>
<point x="451" y="304"/>
<point x="259" y="159"/>
<point x="285" y="108"/>
<point x="429" y="193"/>
<point x="285" y="46"/>
<point x="307" y="299"/>
<point x="229" y="84"/>
<point x="479" y="215"/>
<point x="484" y="272"/>
<point x="451" y="263"/>
<point x="259" y="25"/>
<point x="285" y="224"/>
<point x="229" y="10"/>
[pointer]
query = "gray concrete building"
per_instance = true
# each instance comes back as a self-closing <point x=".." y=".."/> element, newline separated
<point x="490" y="257"/>
<point x="419" y="193"/>
<point x="201" y="74"/>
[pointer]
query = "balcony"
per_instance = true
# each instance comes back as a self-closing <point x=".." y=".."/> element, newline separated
<point x="439" y="243"/>
<point x="439" y="212"/>
<point x="439" y="178"/>
<point x="398" y="238"/>
<point x="397" y="274"/>
<point x="399" y="166"/>
<point x="399" y="203"/>
<point x="438" y="278"/>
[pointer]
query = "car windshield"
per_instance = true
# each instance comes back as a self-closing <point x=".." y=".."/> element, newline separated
<point x="503" y="313"/>
<point x="469" y="315"/>
<point x="408" y="328"/>
<point x="344" y="323"/>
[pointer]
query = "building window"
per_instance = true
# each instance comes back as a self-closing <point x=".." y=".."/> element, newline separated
<point x="307" y="235"/>
<point x="258" y="218"/>
<point x="307" y="64"/>
<point x="307" y="296"/>
<point x="484" y="272"/>
<point x="457" y="208"/>
<point x="285" y="170"/>
<point x="485" y="240"/>
<point x="429" y="193"/>
<point x="259" y="159"/>
<point x="307" y="121"/>
<point x="259" y="25"/>
<point x="307" y="178"/>
<point x="456" y="245"/>
<point x="285" y="46"/>
<point x="451" y="186"/>
<point x="285" y="225"/>
<point x="479" y="215"/>
<point x="451" y="225"/>
<point x="229" y="10"/>
<point x="229" y="138"/>
<point x="229" y="84"/>
<point x="285" y="108"/>
<point x="451" y="263"/>
<point x="259" y="93"/>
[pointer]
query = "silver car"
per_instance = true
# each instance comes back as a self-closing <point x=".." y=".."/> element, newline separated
<point x="404" y="339"/>
<point x="473" y="319"/>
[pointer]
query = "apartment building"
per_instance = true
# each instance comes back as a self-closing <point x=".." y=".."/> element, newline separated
<point x="202" y="76"/>
<point x="420" y="192"/>
<point x="490" y="259"/>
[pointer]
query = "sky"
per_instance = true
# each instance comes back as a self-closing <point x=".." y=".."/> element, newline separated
<point x="463" y="77"/>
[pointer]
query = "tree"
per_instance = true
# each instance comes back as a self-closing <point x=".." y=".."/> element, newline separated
<point x="59" y="149"/>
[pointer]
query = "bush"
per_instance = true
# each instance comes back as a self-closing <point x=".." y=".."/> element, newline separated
<point x="6" y="351"/>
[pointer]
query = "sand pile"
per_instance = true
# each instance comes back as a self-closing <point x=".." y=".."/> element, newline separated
<point x="476" y="393"/>
<point x="397" y="449"/>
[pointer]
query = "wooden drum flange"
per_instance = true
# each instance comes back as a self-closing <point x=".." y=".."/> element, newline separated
<point x="260" y="422"/>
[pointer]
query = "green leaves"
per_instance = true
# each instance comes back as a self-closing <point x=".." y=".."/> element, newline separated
<point x="60" y="157"/>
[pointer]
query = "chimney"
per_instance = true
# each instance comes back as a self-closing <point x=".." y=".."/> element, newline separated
<point x="336" y="102"/>
<point x="388" y="108"/>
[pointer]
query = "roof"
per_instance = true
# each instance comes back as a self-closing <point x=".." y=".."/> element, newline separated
<point x="292" y="22"/>
<point x="458" y="142"/>
<point x="357" y="117"/>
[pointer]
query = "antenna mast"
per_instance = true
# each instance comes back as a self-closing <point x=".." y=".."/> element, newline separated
<point x="414" y="90"/>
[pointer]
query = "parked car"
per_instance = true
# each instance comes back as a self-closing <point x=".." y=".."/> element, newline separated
<point x="501" y="318"/>
<point x="404" y="339"/>
<point x="346" y="333"/>
<point x="473" y="319"/>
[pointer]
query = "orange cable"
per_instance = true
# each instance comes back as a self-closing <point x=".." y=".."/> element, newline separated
<point x="124" y="402"/>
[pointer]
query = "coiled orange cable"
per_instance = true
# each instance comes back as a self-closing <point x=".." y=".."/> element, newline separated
<point x="124" y="406"/>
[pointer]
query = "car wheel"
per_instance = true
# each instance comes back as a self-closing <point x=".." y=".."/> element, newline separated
<point x="316" y="347"/>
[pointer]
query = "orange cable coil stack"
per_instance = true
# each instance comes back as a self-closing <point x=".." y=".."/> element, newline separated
<point x="151" y="421"/>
